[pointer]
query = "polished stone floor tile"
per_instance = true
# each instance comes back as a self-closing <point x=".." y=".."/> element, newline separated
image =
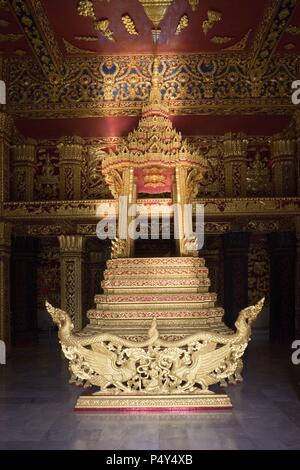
<point x="36" y="409"/>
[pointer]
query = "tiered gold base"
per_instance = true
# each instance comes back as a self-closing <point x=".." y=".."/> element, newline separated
<point x="175" y="291"/>
<point x="154" y="403"/>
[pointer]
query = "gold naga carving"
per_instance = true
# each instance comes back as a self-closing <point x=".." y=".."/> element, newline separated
<point x="154" y="365"/>
<point x="213" y="17"/>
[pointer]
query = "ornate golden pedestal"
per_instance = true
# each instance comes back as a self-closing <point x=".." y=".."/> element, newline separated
<point x="187" y="348"/>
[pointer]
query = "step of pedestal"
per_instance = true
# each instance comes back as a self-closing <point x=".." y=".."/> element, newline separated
<point x="212" y="313"/>
<point x="150" y="301"/>
<point x="167" y="262"/>
<point x="171" y="272"/>
<point x="153" y="285"/>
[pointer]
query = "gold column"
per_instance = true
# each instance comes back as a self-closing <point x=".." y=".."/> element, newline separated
<point x="297" y="278"/>
<point x="71" y="265"/>
<point x="235" y="163"/>
<point x="283" y="166"/>
<point x="5" y="249"/>
<point x="5" y="136"/>
<point x="70" y="153"/>
<point x="23" y="170"/>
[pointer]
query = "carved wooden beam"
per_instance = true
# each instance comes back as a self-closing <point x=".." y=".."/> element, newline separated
<point x="273" y="25"/>
<point x="38" y="31"/>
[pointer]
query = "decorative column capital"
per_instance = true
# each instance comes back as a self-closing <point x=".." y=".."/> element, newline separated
<point x="24" y="153"/>
<point x="71" y="243"/>
<point x="235" y="145"/>
<point x="282" y="146"/>
<point x="70" y="149"/>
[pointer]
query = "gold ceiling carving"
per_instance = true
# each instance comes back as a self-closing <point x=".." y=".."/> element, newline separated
<point x="86" y="38"/>
<point x="292" y="29"/>
<point x="182" y="24"/>
<point x="270" y="31"/>
<point x="36" y="27"/>
<point x="194" y="4"/>
<point x="10" y="37"/>
<point x="220" y="39"/>
<point x="240" y="45"/>
<point x="213" y="17"/>
<point x="103" y="27"/>
<point x="156" y="10"/>
<point x="129" y="25"/>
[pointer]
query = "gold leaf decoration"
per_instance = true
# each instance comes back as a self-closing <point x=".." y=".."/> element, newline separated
<point x="295" y="30"/>
<point x="220" y="39"/>
<point x="289" y="46"/>
<point x="86" y="8"/>
<point x="182" y="24"/>
<point x="156" y="10"/>
<point x="75" y="50"/>
<point x="155" y="34"/>
<point x="10" y="37"/>
<point x="194" y="4"/>
<point x="129" y="25"/>
<point x="86" y="38"/>
<point x="240" y="45"/>
<point x="4" y="5"/>
<point x="103" y="27"/>
<point x="4" y="23"/>
<point x="212" y="18"/>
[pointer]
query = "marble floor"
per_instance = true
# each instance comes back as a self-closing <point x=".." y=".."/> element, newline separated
<point x="36" y="409"/>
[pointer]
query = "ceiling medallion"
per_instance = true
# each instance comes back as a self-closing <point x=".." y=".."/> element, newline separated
<point x="156" y="9"/>
<point x="182" y="24"/>
<point x="212" y="18"/>
<point x="129" y="25"/>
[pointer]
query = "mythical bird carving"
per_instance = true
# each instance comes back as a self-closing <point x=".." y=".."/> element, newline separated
<point x="155" y="366"/>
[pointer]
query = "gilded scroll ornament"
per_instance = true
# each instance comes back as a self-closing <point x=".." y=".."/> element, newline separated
<point x="240" y="45"/>
<point x="182" y="24"/>
<point x="10" y="37"/>
<point x="155" y="366"/>
<point x="129" y="25"/>
<point x="213" y="17"/>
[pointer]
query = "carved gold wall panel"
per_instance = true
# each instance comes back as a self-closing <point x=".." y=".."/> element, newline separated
<point x="119" y="85"/>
